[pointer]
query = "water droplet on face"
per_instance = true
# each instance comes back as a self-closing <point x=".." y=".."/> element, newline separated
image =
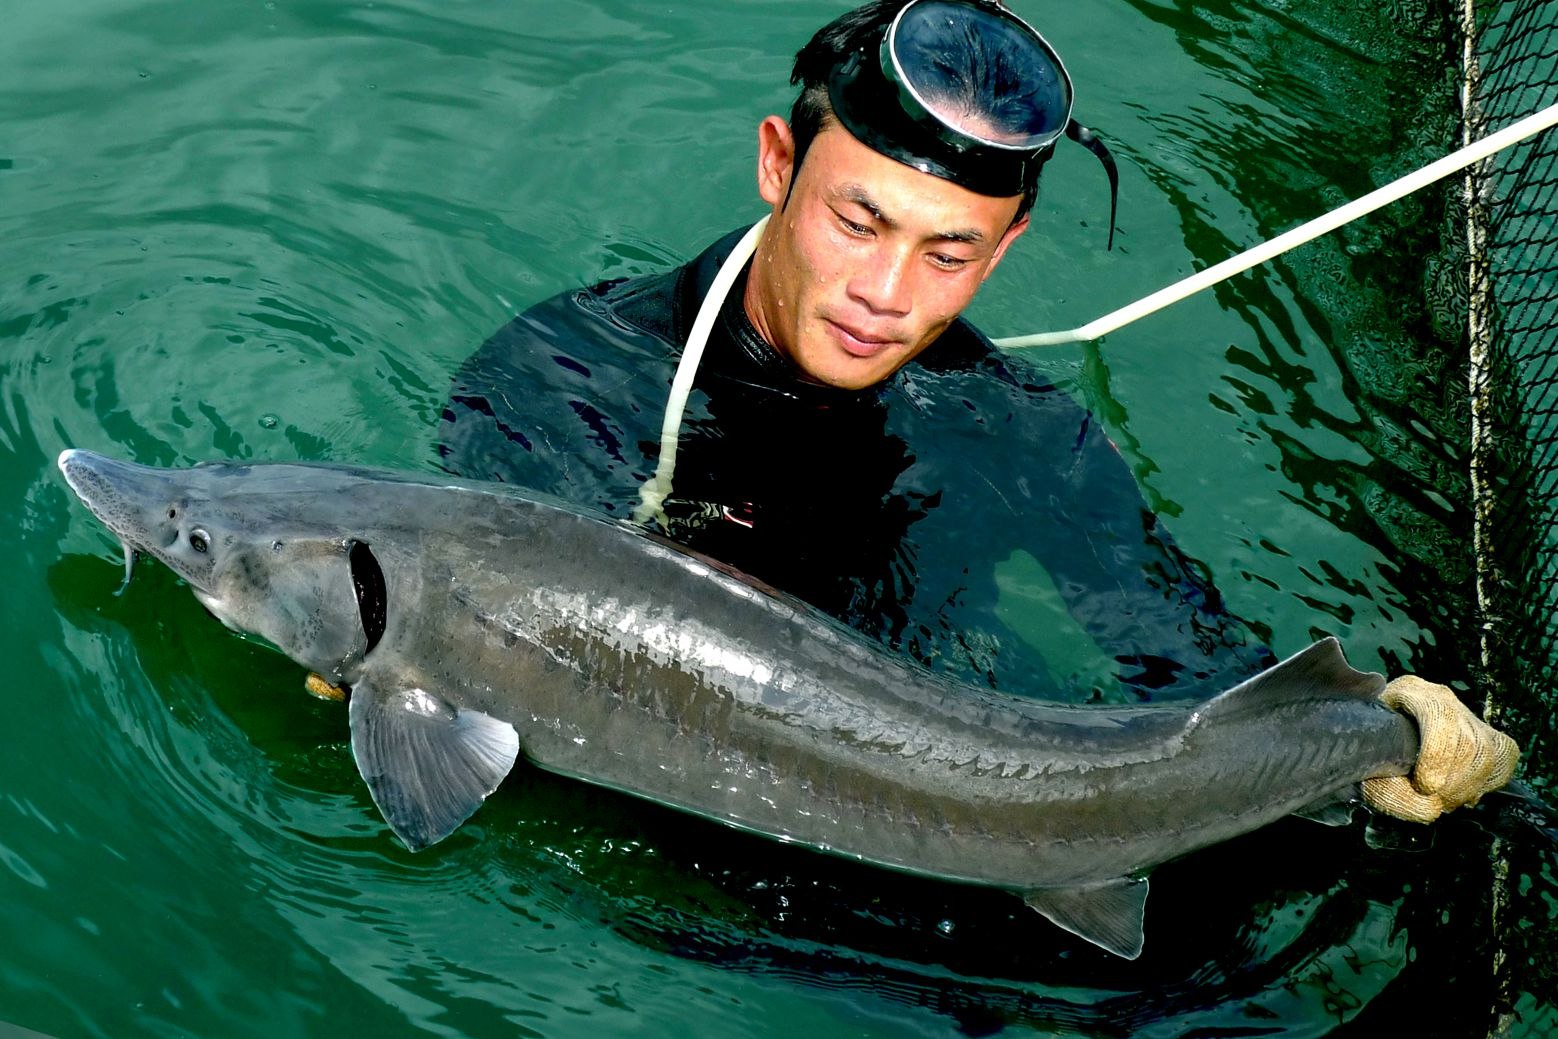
<point x="269" y="421"/>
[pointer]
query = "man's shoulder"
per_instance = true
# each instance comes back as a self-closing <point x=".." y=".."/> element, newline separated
<point x="627" y="317"/>
<point x="964" y="350"/>
<point x="646" y="303"/>
<point x="659" y="305"/>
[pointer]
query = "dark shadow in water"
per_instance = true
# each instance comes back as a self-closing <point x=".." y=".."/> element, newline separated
<point x="1297" y="925"/>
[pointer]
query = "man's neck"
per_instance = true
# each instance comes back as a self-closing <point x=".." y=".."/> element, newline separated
<point x="762" y="310"/>
<point x="752" y="298"/>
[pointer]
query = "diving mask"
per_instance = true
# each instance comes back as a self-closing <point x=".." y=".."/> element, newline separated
<point x="966" y="91"/>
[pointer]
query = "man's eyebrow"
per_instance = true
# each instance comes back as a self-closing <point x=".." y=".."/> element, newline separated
<point x="971" y="235"/>
<point x="860" y="197"/>
<point x="857" y="194"/>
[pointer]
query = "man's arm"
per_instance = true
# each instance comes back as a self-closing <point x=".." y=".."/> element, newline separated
<point x="1146" y="604"/>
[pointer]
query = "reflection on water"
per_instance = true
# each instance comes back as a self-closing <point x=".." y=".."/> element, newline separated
<point x="273" y="230"/>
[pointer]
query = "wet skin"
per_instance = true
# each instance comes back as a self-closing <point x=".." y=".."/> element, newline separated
<point x="866" y="261"/>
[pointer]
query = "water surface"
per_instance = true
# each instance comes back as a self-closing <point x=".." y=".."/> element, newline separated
<point x="271" y="230"/>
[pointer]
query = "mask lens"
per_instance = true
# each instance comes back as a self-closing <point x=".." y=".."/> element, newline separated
<point x="981" y="72"/>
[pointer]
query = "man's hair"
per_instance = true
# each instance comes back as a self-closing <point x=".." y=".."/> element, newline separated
<point x="986" y="85"/>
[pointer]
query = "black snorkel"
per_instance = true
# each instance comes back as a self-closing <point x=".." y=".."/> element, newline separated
<point x="1089" y="140"/>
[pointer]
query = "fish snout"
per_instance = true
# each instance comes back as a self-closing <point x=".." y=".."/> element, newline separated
<point x="124" y="496"/>
<point x="144" y="507"/>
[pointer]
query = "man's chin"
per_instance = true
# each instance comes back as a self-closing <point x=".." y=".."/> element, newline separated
<point x="851" y="373"/>
<point x="830" y="363"/>
<point x="847" y="343"/>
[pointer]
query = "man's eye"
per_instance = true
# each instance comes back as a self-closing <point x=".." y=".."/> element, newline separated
<point x="949" y="263"/>
<point x="854" y="228"/>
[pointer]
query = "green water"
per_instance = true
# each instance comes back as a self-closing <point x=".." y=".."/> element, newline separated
<point x="272" y="229"/>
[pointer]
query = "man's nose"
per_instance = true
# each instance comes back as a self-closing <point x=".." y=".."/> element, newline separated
<point x="884" y="284"/>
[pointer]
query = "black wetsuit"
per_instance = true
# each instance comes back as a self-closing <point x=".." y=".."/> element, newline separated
<point x="889" y="508"/>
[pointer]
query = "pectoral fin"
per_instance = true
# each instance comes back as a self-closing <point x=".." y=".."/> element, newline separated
<point x="1108" y="915"/>
<point x="1329" y="811"/>
<point x="428" y="764"/>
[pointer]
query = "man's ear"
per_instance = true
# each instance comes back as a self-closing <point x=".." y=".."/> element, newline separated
<point x="775" y="160"/>
<point x="1017" y="228"/>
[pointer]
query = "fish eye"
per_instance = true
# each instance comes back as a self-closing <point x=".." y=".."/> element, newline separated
<point x="173" y="514"/>
<point x="199" y="540"/>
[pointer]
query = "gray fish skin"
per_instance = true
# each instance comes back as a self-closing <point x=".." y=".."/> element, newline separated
<point x="474" y="623"/>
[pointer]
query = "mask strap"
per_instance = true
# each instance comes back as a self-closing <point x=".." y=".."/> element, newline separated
<point x="1087" y="139"/>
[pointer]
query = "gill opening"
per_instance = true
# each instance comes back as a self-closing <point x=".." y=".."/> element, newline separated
<point x="372" y="596"/>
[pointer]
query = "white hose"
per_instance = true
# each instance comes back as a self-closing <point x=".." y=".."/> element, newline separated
<point x="653" y="494"/>
<point x="1455" y="161"/>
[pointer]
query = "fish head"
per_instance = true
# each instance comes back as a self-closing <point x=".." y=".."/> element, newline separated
<point x="254" y="544"/>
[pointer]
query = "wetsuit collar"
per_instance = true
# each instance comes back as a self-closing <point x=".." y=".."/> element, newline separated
<point x="756" y="352"/>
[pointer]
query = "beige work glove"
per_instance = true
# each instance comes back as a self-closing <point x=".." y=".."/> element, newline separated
<point x="1460" y="757"/>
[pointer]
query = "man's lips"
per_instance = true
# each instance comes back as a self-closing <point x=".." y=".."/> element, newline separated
<point x="859" y="343"/>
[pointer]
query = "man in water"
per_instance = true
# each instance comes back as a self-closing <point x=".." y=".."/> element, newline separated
<point x="851" y="438"/>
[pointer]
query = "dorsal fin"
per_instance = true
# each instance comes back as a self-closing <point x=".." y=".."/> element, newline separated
<point x="1319" y="672"/>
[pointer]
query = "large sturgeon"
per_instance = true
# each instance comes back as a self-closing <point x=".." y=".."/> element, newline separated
<point x="473" y="623"/>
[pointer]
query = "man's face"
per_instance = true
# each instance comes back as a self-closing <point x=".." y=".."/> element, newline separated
<point x="869" y="261"/>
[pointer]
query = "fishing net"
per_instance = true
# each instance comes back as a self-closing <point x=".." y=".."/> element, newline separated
<point x="1512" y="320"/>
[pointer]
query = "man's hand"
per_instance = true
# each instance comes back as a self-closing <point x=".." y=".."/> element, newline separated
<point x="1460" y="757"/>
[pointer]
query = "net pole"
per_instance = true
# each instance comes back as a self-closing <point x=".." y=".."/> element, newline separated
<point x="1479" y="322"/>
<point x="1479" y="327"/>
